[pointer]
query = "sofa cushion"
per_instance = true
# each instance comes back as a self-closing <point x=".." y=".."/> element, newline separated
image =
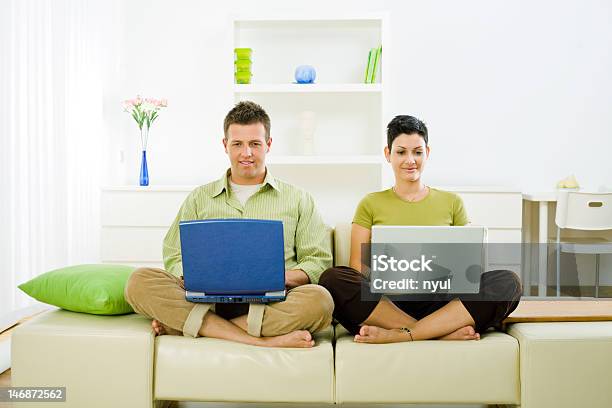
<point x="96" y="289"/>
<point x="342" y="244"/>
<point x="435" y="371"/>
<point x="206" y="369"/>
<point x="103" y="361"/>
<point x="565" y="364"/>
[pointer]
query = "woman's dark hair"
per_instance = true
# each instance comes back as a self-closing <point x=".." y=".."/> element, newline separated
<point x="404" y="124"/>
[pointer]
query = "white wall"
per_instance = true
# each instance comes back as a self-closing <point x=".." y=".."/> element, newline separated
<point x="514" y="93"/>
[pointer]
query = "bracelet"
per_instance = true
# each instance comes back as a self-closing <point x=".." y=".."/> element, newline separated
<point x="406" y="330"/>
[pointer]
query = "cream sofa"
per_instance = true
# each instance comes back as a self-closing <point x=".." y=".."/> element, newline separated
<point x="116" y="361"/>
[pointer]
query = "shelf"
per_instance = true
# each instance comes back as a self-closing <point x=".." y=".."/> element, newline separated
<point x="247" y="18"/>
<point x="293" y="160"/>
<point x="305" y="22"/>
<point x="307" y="88"/>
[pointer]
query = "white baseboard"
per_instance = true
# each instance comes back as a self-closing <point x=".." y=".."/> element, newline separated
<point x="10" y="319"/>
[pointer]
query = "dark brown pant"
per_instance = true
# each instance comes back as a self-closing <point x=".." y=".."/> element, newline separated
<point x="499" y="295"/>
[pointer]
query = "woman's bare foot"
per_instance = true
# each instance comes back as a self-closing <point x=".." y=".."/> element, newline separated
<point x="464" y="333"/>
<point x="378" y="335"/>
<point x="298" y="338"/>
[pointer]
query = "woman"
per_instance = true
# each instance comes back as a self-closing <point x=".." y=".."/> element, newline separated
<point x="411" y="202"/>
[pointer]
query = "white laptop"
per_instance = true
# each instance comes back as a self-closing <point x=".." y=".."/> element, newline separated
<point x="455" y="257"/>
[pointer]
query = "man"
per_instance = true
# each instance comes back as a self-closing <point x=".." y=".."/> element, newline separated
<point x="246" y="190"/>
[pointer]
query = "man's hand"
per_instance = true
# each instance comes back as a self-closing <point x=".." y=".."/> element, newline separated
<point x="295" y="277"/>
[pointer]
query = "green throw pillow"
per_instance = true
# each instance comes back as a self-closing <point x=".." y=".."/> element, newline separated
<point x="96" y="289"/>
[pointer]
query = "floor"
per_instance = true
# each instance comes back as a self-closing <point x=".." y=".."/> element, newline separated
<point x="253" y="405"/>
<point x="5" y="379"/>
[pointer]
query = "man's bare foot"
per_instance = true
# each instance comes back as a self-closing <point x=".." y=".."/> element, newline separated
<point x="464" y="333"/>
<point x="298" y="338"/>
<point x="160" y="329"/>
<point x="375" y="334"/>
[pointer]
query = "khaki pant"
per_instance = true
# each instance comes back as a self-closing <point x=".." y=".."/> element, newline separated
<point x="158" y="295"/>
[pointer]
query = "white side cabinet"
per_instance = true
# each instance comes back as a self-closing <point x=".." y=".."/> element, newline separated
<point x="135" y="220"/>
<point x="501" y="211"/>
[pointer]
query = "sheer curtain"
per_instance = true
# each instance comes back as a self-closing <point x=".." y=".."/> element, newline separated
<point x="52" y="58"/>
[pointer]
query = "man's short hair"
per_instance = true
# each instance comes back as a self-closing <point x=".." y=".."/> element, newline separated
<point x="404" y="124"/>
<point x="247" y="113"/>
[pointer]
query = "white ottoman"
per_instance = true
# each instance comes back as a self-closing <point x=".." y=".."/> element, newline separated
<point x="103" y="361"/>
<point x="565" y="364"/>
<point x="458" y="372"/>
<point x="205" y="369"/>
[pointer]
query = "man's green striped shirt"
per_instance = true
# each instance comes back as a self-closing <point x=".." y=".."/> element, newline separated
<point x="307" y="238"/>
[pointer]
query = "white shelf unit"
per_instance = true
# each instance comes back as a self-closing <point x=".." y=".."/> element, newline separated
<point x="348" y="116"/>
<point x="307" y="88"/>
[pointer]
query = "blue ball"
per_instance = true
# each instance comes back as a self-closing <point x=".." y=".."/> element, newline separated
<point x="305" y="74"/>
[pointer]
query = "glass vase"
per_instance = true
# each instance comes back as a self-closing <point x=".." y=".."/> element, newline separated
<point x="144" y="170"/>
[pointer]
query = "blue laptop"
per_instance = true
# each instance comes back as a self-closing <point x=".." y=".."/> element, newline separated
<point x="233" y="260"/>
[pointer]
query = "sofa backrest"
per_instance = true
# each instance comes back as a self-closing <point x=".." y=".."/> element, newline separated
<point x="133" y="214"/>
<point x="342" y="244"/>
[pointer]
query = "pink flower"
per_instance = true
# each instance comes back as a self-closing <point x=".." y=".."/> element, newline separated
<point x="144" y="110"/>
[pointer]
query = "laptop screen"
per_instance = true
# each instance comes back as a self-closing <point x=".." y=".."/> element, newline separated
<point x="233" y="256"/>
<point x="430" y="258"/>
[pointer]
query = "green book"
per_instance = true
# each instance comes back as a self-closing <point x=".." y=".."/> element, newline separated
<point x="377" y="57"/>
<point x="369" y="66"/>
